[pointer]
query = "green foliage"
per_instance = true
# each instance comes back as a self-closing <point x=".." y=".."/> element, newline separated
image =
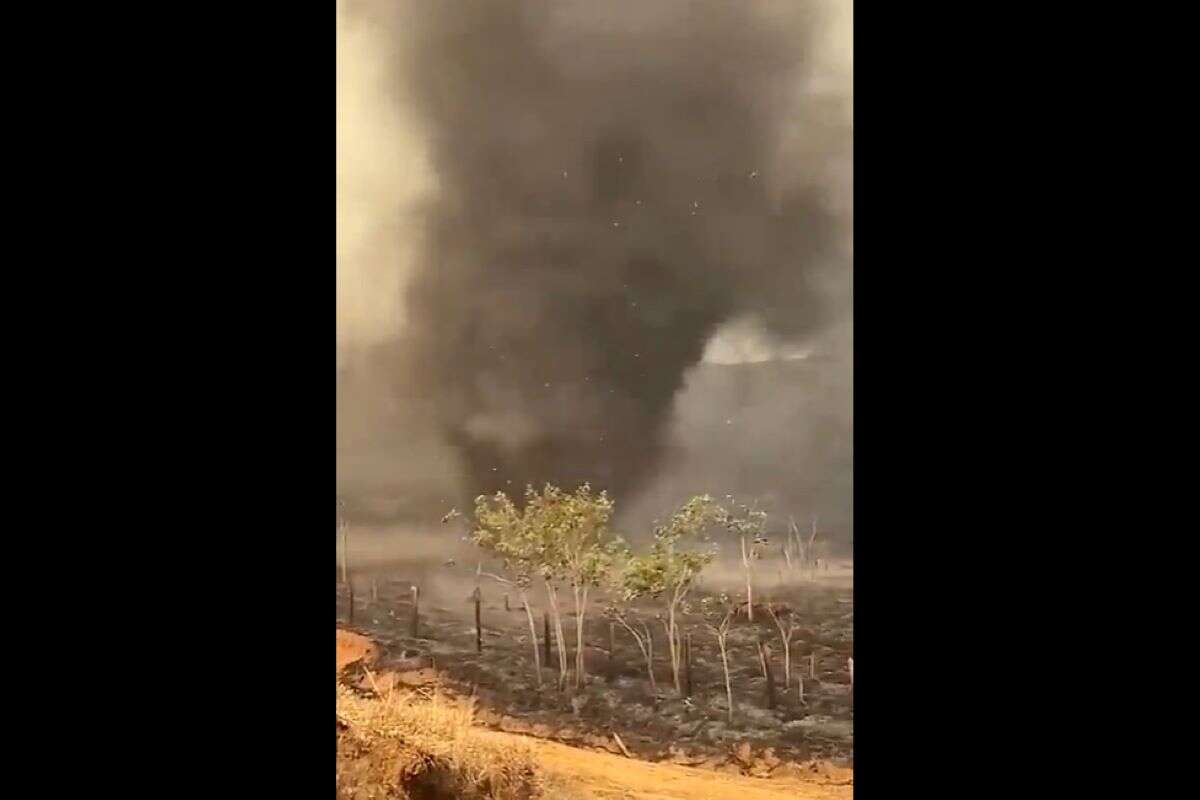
<point x="557" y="535"/>
<point x="500" y="528"/>
<point x="667" y="566"/>
<point x="745" y="523"/>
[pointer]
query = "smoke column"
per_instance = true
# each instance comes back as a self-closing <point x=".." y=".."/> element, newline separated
<point x="612" y="182"/>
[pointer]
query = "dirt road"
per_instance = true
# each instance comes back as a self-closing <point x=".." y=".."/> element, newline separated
<point x="612" y="777"/>
<point x="605" y="776"/>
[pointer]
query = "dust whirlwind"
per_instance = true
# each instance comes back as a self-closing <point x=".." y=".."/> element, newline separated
<point x="557" y="218"/>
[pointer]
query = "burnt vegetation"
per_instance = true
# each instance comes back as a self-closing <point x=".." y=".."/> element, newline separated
<point x="638" y="641"/>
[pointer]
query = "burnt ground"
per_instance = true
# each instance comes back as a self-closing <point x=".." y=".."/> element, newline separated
<point x="617" y="697"/>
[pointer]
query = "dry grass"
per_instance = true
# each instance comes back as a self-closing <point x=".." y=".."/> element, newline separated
<point x="424" y="746"/>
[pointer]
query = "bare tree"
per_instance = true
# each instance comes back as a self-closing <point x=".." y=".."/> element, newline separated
<point x="785" y="637"/>
<point x="719" y="613"/>
<point x="344" y="534"/>
<point x="626" y="617"/>
<point x="811" y="550"/>
<point x="806" y="551"/>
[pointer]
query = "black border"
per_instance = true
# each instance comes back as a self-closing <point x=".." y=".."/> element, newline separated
<point x="232" y="404"/>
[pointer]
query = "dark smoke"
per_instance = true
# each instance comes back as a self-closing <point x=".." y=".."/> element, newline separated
<point x="610" y="191"/>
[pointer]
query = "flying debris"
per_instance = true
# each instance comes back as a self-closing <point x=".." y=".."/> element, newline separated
<point x="454" y="512"/>
<point x="549" y="270"/>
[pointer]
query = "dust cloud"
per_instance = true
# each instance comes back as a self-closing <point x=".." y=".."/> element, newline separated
<point x="594" y="241"/>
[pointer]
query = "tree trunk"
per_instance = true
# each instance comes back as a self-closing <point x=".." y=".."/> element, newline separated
<point x="478" y="621"/>
<point x="346" y="574"/>
<point x="612" y="650"/>
<point x="564" y="662"/>
<point x="812" y="550"/>
<point x="559" y="637"/>
<point x="345" y="555"/>
<point x="725" y="666"/>
<point x="785" y="638"/>
<point x="749" y="597"/>
<point x="537" y="663"/>
<point x="646" y="645"/>
<point x="687" y="665"/>
<point x="672" y="655"/>
<point x="580" y="613"/>
<point x="766" y="655"/>
<point x="749" y="591"/>
<point x="787" y="663"/>
<point x="650" y="662"/>
<point x="673" y="646"/>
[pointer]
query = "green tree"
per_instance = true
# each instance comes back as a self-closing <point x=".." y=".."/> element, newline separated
<point x="558" y="536"/>
<point x="580" y="546"/>
<point x="500" y="529"/>
<point x="678" y="554"/>
<point x="746" y="525"/>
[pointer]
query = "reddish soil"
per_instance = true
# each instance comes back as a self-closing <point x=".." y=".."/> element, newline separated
<point x="793" y="738"/>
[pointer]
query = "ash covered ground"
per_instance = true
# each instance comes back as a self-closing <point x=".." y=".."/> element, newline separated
<point x="804" y="728"/>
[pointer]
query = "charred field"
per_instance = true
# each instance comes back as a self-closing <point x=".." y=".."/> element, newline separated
<point x="801" y="724"/>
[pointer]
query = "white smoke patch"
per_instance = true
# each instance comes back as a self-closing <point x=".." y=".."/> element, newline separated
<point x="390" y="461"/>
<point x="381" y="176"/>
<point x="508" y="429"/>
<point x="827" y="94"/>
<point x="746" y="341"/>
